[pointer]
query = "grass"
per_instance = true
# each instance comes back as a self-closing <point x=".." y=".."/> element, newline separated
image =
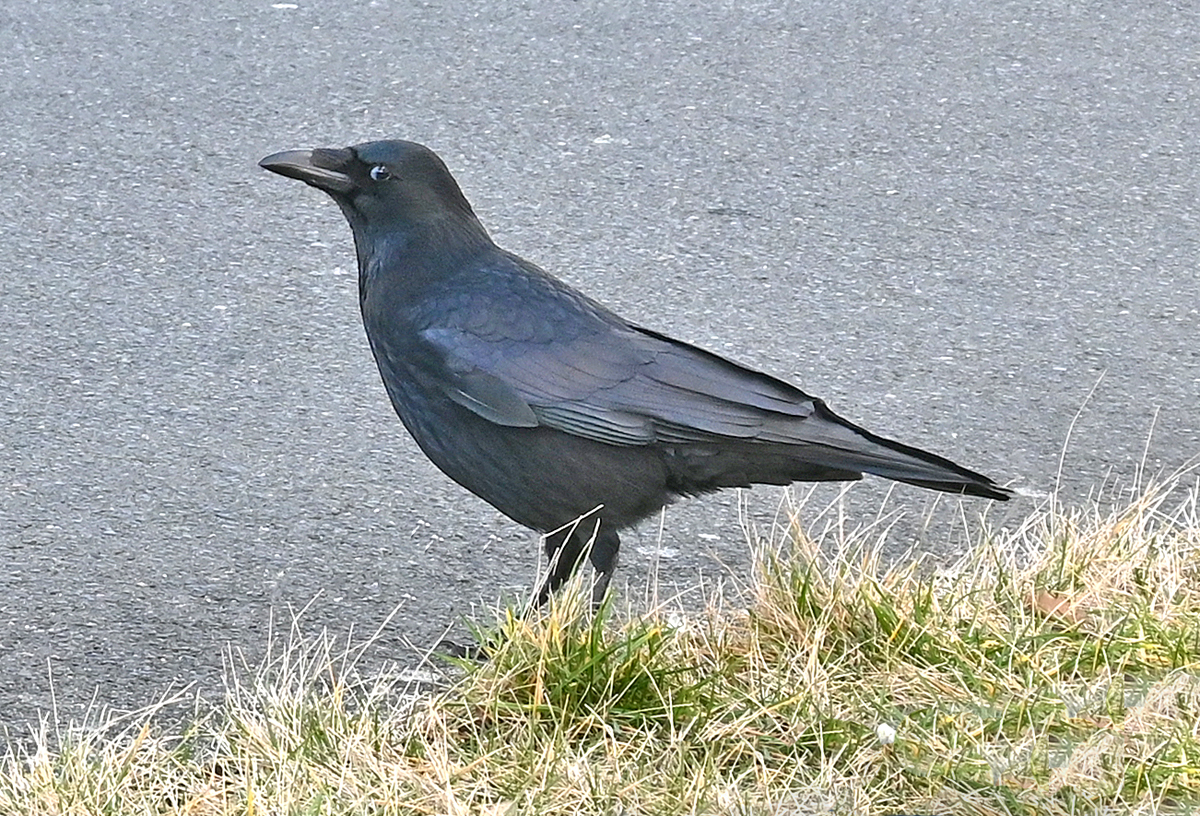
<point x="1054" y="670"/>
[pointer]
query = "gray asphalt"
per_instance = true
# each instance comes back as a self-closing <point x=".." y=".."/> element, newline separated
<point x="952" y="221"/>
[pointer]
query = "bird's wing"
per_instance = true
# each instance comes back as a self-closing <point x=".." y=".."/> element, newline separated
<point x="520" y="348"/>
<point x="542" y="355"/>
<point x="563" y="384"/>
<point x="616" y="384"/>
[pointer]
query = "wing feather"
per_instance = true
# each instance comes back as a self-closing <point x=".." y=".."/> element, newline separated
<point x="619" y="385"/>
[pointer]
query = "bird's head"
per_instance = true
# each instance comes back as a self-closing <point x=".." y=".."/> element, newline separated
<point x="388" y="187"/>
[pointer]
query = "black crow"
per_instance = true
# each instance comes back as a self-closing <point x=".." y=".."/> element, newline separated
<point x="547" y="405"/>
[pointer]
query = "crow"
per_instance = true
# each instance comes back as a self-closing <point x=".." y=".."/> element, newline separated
<point x="561" y="414"/>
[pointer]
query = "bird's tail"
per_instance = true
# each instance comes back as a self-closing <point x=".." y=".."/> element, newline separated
<point x="846" y="445"/>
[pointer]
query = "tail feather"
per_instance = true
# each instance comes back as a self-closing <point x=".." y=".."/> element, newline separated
<point x="859" y="449"/>
<point x="821" y="447"/>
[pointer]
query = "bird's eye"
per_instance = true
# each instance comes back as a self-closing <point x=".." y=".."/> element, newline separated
<point x="380" y="173"/>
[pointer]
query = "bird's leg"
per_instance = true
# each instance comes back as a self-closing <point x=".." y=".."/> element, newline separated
<point x="564" y="548"/>
<point x="604" y="560"/>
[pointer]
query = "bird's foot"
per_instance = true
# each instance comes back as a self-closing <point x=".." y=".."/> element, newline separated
<point x="478" y="652"/>
<point x="460" y="651"/>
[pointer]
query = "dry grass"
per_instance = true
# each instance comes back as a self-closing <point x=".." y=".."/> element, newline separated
<point x="1055" y="670"/>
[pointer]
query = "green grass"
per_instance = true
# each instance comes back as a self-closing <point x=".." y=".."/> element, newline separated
<point x="1054" y="670"/>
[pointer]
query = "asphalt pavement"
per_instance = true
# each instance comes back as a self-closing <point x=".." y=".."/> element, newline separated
<point x="969" y="227"/>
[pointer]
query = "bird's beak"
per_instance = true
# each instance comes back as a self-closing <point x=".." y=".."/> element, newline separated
<point x="322" y="168"/>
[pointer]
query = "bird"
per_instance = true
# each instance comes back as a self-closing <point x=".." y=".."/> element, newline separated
<point x="561" y="414"/>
